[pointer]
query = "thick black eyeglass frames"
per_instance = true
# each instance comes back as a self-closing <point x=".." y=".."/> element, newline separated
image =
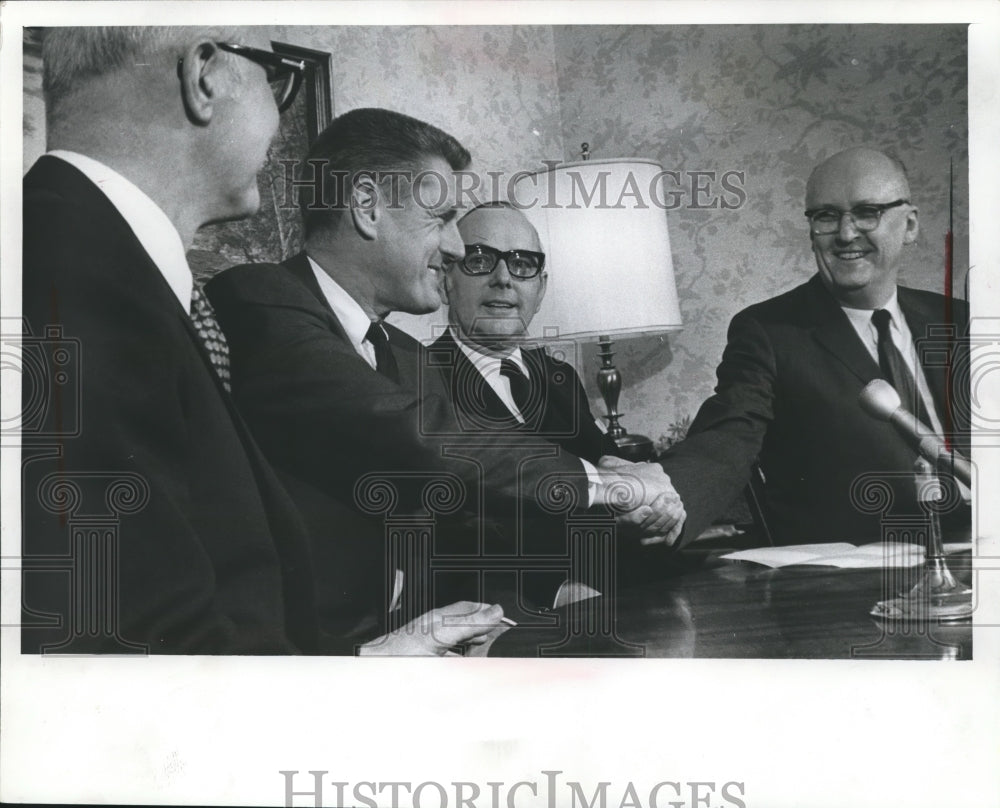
<point x="284" y="74"/>
<point x="481" y="259"/>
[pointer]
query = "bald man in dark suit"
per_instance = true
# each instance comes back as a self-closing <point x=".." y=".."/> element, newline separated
<point x="794" y="366"/>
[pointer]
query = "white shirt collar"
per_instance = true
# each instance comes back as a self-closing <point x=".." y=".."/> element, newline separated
<point x="488" y="364"/>
<point x="489" y="368"/>
<point x="152" y="227"/>
<point x="349" y="312"/>
<point x="861" y="319"/>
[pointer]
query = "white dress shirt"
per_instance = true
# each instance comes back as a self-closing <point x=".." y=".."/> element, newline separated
<point x="352" y="317"/>
<point x="152" y="227"/>
<point x="861" y="320"/>
<point x="489" y="368"/>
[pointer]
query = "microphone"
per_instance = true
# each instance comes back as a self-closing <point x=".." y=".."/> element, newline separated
<point x="880" y="400"/>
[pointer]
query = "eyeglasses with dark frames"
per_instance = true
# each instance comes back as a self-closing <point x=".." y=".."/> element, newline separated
<point x="481" y="259"/>
<point x="825" y="221"/>
<point x="284" y="74"/>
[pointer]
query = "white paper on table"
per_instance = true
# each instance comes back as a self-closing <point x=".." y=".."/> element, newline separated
<point x="841" y="554"/>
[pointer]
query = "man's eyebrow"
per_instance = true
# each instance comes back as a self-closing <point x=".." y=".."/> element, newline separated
<point x="448" y="215"/>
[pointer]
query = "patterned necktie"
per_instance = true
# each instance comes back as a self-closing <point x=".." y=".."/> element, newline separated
<point x="211" y="335"/>
<point x="385" y="361"/>
<point x="520" y="386"/>
<point x="894" y="367"/>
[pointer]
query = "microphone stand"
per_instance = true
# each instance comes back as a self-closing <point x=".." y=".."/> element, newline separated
<point x="937" y="595"/>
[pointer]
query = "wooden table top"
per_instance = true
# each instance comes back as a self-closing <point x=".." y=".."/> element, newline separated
<point x="712" y="608"/>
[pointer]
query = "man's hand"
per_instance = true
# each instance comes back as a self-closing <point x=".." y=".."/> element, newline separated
<point x="436" y="632"/>
<point x="646" y="500"/>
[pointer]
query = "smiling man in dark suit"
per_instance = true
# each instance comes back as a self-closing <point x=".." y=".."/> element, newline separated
<point x="151" y="521"/>
<point x="794" y="366"/>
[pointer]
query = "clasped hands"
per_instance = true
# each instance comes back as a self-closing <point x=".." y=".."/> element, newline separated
<point x="643" y="499"/>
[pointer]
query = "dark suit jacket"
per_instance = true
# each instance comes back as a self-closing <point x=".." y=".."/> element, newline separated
<point x="787" y="391"/>
<point x="560" y="411"/>
<point x="327" y="421"/>
<point x="211" y="556"/>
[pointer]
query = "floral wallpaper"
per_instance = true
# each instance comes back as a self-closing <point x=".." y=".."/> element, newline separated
<point x="756" y="105"/>
<point x="492" y="87"/>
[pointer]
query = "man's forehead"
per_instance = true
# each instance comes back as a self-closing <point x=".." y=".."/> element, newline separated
<point x="499" y="227"/>
<point x="853" y="178"/>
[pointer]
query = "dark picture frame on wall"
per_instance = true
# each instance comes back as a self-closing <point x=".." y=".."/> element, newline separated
<point x="317" y="89"/>
<point x="275" y="231"/>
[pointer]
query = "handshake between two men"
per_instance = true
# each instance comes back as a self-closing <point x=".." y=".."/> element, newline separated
<point x="303" y="333"/>
<point x="253" y="539"/>
<point x="645" y="502"/>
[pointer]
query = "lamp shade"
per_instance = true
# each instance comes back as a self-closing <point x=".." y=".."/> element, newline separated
<point x="603" y="228"/>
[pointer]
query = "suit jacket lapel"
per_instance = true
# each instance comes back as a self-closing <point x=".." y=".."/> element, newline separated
<point x="919" y="317"/>
<point x="835" y="333"/>
<point x="60" y="174"/>
<point x="542" y="391"/>
<point x="300" y="267"/>
<point x="470" y="391"/>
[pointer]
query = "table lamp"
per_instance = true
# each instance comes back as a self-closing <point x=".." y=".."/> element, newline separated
<point x="603" y="228"/>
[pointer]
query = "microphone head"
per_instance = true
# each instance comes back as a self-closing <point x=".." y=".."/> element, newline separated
<point x="879" y="399"/>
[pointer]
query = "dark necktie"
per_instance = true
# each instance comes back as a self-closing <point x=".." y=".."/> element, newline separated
<point x="894" y="367"/>
<point x="520" y="386"/>
<point x="385" y="361"/>
<point x="210" y="333"/>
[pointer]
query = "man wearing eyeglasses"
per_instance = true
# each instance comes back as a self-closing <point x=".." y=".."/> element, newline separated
<point x="794" y="366"/>
<point x="497" y="381"/>
<point x="151" y="521"/>
<point x="335" y="395"/>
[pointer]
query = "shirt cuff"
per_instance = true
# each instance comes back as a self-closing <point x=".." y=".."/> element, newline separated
<point x="594" y="483"/>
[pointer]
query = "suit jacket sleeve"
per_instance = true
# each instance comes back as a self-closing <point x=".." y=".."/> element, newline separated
<point x="320" y="412"/>
<point x="712" y="464"/>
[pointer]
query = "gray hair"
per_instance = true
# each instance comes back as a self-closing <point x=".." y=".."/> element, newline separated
<point x="72" y="56"/>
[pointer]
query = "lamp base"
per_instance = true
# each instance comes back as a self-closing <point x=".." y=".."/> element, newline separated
<point x="637" y="448"/>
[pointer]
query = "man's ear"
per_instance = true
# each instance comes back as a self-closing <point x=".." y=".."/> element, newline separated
<point x="912" y="227"/>
<point x="366" y="208"/>
<point x="444" y="286"/>
<point x="203" y="75"/>
<point x="543" y="284"/>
